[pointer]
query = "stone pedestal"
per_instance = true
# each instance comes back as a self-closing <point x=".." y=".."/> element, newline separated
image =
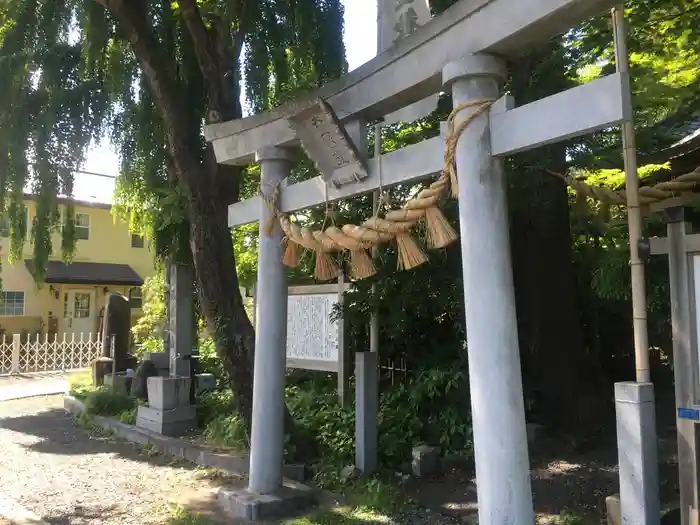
<point x="167" y="393"/>
<point x="172" y="423"/>
<point x="169" y="412"/>
<point x="289" y="499"/>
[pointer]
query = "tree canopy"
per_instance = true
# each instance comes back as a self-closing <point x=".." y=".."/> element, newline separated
<point x="148" y="75"/>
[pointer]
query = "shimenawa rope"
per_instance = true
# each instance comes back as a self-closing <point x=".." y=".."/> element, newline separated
<point x="394" y="227"/>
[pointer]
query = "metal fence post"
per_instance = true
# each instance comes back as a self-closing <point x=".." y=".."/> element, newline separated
<point x="14" y="367"/>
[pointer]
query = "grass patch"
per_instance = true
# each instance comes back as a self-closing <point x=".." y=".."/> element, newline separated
<point x="80" y="384"/>
<point x="182" y="517"/>
<point x="106" y="402"/>
<point x="343" y="516"/>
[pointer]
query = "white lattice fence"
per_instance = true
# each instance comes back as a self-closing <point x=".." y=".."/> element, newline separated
<point x="5" y="354"/>
<point x="42" y="354"/>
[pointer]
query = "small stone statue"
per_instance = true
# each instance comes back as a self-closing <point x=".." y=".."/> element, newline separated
<point x="139" y="385"/>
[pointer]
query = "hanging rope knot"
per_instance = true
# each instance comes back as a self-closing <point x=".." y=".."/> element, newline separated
<point x="273" y="204"/>
<point x="449" y="171"/>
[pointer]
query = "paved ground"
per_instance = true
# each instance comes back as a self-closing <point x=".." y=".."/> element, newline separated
<point x="15" y="387"/>
<point x="67" y="477"/>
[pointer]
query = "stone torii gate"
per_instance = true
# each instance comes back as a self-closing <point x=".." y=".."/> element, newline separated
<point x="464" y="50"/>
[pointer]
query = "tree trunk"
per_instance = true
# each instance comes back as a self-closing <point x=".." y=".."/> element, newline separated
<point x="559" y="374"/>
<point x="211" y="192"/>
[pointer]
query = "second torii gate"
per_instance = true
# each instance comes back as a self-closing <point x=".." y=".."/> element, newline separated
<point x="462" y="50"/>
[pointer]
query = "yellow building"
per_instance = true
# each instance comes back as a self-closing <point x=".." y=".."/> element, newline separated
<point x="108" y="258"/>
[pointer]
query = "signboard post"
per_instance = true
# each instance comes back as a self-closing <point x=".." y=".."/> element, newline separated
<point x="683" y="250"/>
<point x="315" y="341"/>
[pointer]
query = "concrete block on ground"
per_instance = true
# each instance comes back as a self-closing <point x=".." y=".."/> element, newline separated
<point x="118" y="382"/>
<point x="167" y="393"/>
<point x="290" y="500"/>
<point x="173" y="422"/>
<point x="426" y="461"/>
<point x="295" y="472"/>
<point x="204" y="382"/>
<point x="613" y="510"/>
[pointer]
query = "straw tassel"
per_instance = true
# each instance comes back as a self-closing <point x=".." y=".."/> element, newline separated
<point x="439" y="232"/>
<point x="325" y="269"/>
<point x="410" y="254"/>
<point x="292" y="254"/>
<point x="361" y="265"/>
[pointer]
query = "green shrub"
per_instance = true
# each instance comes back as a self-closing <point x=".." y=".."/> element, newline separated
<point x="226" y="431"/>
<point x="432" y="408"/>
<point x="128" y="416"/>
<point x="209" y="363"/>
<point x="106" y="402"/>
<point x="212" y="405"/>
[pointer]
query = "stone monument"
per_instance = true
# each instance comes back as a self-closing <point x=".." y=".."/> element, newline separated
<point x="116" y="340"/>
<point x="170" y="410"/>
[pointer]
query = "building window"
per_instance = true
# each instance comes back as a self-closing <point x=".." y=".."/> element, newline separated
<point x="136" y="240"/>
<point x="81" y="305"/>
<point x="135" y="299"/>
<point x="82" y="226"/>
<point x="12" y="303"/>
<point x="5" y="223"/>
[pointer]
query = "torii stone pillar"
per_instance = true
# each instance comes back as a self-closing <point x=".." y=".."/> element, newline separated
<point x="267" y="434"/>
<point x="498" y="411"/>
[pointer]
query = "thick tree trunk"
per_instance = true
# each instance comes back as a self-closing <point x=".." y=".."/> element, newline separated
<point x="560" y="375"/>
<point x="215" y="266"/>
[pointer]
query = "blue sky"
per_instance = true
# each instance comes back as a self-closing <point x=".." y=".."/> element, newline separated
<point x="360" y="44"/>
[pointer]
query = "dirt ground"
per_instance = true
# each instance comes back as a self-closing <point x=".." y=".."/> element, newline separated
<point x="69" y="476"/>
<point x="104" y="480"/>
<point x="564" y="479"/>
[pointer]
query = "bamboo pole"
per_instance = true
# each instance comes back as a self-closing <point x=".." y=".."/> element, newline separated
<point x="634" y="215"/>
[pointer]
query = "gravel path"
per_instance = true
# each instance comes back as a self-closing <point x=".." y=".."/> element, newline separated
<point x="59" y="471"/>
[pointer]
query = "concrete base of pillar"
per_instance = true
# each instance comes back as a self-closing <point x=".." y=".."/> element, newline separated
<point x="637" y="450"/>
<point x="175" y="422"/>
<point x="291" y="499"/>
